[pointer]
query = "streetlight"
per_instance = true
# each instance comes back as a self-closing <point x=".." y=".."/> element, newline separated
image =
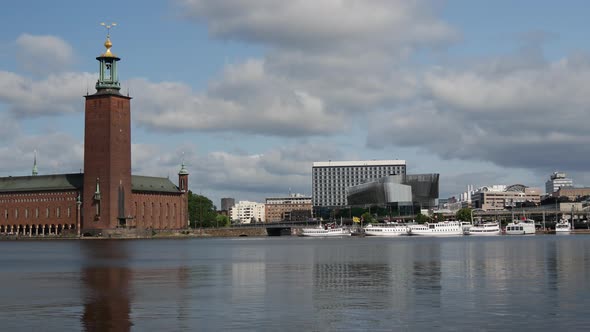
<point x="78" y="217"/>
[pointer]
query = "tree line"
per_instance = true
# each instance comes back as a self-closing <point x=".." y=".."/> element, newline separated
<point x="203" y="213"/>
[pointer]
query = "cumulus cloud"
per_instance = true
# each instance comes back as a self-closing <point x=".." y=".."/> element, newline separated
<point x="321" y="25"/>
<point x="44" y="54"/>
<point x="524" y="117"/>
<point x="245" y="100"/>
<point x="57" y="152"/>
<point x="55" y="94"/>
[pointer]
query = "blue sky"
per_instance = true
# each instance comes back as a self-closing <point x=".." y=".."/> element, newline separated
<point x="252" y="92"/>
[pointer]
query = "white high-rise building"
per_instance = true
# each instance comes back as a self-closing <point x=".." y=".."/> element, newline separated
<point x="246" y="212"/>
<point x="331" y="178"/>
<point x="556" y="181"/>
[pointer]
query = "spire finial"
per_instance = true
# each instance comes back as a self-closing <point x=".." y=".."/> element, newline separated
<point x="35" y="171"/>
<point x="183" y="170"/>
<point x="107" y="43"/>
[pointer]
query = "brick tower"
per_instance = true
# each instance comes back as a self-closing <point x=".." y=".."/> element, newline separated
<point x="107" y="150"/>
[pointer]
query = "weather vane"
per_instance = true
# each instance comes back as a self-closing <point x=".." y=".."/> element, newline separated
<point x="108" y="27"/>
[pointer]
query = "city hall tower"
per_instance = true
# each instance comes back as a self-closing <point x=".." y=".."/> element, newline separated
<point x="107" y="150"/>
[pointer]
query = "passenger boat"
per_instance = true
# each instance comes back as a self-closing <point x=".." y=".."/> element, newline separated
<point x="562" y="227"/>
<point x="328" y="230"/>
<point x="445" y="228"/>
<point x="521" y="227"/>
<point x="486" y="228"/>
<point x="387" y="230"/>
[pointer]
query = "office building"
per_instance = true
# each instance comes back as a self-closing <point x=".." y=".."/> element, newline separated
<point x="330" y="179"/>
<point x="295" y="207"/>
<point x="557" y="180"/>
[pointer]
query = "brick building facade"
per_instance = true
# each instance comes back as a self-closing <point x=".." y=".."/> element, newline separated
<point x="106" y="196"/>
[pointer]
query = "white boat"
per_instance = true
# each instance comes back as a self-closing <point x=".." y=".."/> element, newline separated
<point x="444" y="228"/>
<point x="388" y="230"/>
<point x="486" y="228"/>
<point x="521" y="227"/>
<point x="328" y="230"/>
<point x="563" y="227"/>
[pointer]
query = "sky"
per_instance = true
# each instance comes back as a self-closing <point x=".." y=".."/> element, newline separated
<point x="249" y="93"/>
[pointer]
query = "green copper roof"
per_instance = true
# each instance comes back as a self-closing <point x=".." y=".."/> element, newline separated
<point x="41" y="182"/>
<point x="150" y="183"/>
<point x="76" y="181"/>
<point x="183" y="170"/>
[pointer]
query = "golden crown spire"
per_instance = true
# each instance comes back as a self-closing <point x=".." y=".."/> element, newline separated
<point x="108" y="44"/>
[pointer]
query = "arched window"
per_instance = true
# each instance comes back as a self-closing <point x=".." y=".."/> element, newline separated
<point x="36" y="212"/>
<point x="57" y="213"/>
<point x="15" y="213"/>
<point x="47" y="212"/>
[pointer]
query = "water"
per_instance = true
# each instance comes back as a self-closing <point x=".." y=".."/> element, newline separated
<point x="297" y="284"/>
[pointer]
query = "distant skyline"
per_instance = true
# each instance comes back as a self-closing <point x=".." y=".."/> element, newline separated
<point x="251" y="93"/>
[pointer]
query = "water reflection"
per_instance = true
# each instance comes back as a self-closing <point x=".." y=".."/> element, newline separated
<point x="106" y="282"/>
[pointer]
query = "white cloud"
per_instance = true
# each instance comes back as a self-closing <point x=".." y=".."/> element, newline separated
<point x="326" y="24"/>
<point x="44" y="54"/>
<point x="55" y="94"/>
<point x="523" y="117"/>
<point x="245" y="100"/>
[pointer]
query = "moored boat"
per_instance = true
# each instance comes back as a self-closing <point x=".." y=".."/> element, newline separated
<point x="520" y="227"/>
<point x="328" y="230"/>
<point x="563" y="227"/>
<point x="387" y="230"/>
<point x="486" y="228"/>
<point x="445" y="228"/>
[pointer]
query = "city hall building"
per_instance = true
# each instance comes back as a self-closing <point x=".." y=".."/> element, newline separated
<point x="106" y="196"/>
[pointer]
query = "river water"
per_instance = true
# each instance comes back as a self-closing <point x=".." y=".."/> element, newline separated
<point x="297" y="284"/>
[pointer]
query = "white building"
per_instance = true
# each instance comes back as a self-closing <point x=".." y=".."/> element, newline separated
<point x="331" y="178"/>
<point x="556" y="181"/>
<point x="246" y="212"/>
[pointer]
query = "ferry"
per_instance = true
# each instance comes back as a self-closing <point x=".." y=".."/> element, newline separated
<point x="486" y="228"/>
<point x="521" y="227"/>
<point x="445" y="228"/>
<point x="328" y="230"/>
<point x="387" y="230"/>
<point x="563" y="227"/>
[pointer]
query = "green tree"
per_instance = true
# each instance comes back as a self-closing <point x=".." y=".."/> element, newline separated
<point x="201" y="211"/>
<point x="367" y="218"/>
<point x="222" y="221"/>
<point x="463" y="214"/>
<point x="422" y="218"/>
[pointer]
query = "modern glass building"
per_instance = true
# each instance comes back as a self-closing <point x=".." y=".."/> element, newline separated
<point x="419" y="190"/>
<point x="330" y="179"/>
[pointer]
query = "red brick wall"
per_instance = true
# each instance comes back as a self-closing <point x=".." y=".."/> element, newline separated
<point x="38" y="209"/>
<point x="107" y="156"/>
<point x="159" y="210"/>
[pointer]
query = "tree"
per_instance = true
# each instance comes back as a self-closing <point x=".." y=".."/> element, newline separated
<point x="201" y="211"/>
<point x="422" y="218"/>
<point x="367" y="218"/>
<point x="222" y="221"/>
<point x="463" y="214"/>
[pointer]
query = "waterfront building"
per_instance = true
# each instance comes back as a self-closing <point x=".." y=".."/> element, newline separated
<point x="330" y="179"/>
<point x="106" y="196"/>
<point x="227" y="203"/>
<point x="415" y="190"/>
<point x="499" y="197"/>
<point x="246" y="212"/>
<point x="573" y="194"/>
<point x="295" y="207"/>
<point x="557" y="180"/>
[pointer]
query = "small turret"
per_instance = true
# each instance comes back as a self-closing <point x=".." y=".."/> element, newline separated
<point x="183" y="178"/>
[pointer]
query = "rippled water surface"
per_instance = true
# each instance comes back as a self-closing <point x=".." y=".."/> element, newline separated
<point x="297" y="284"/>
